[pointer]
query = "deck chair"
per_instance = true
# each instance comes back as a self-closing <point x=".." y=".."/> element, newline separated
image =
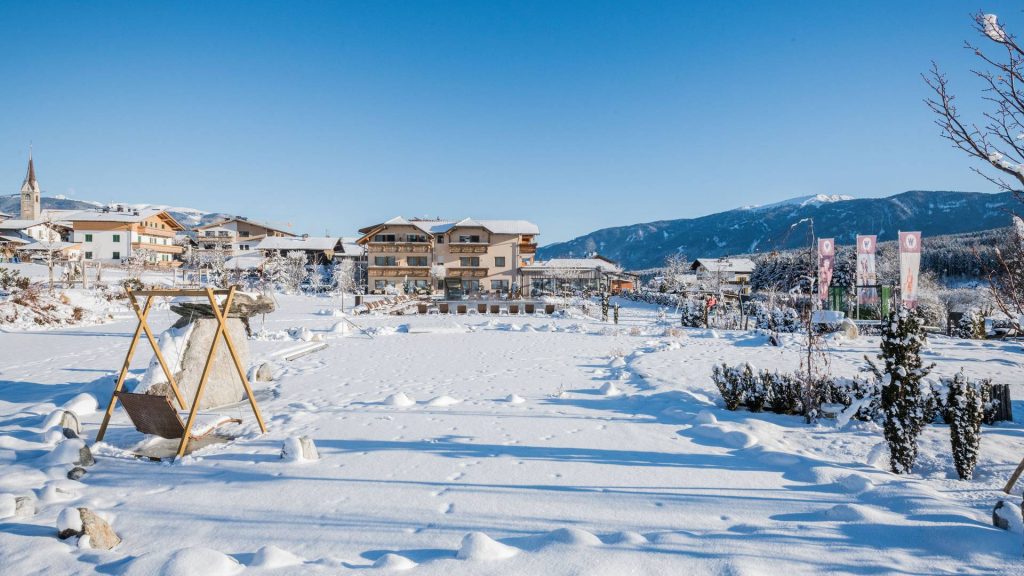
<point x="154" y="414"/>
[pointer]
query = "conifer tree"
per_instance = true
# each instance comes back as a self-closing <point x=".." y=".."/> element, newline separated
<point x="904" y="397"/>
<point x="966" y="412"/>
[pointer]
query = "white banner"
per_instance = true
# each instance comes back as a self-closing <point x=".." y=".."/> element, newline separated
<point x="910" y="267"/>
<point x="826" y="265"/>
<point x="866" y="275"/>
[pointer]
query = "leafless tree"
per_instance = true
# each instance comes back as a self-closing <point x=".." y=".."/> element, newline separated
<point x="997" y="139"/>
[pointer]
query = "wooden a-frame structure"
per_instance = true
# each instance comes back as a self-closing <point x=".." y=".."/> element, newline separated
<point x="220" y="313"/>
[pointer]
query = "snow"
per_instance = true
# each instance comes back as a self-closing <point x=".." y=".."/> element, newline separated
<point x="69" y="519"/>
<point x="518" y="464"/>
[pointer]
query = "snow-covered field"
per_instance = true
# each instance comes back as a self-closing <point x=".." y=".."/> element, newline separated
<point x="499" y="445"/>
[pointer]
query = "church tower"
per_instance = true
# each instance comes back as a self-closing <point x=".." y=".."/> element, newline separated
<point x="30" y="209"/>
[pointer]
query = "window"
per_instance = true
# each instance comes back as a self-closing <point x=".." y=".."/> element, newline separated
<point x="415" y="238"/>
<point x="469" y="239"/>
<point x="88" y="237"/>
<point x="440" y="239"/>
<point x="116" y="256"/>
<point x="384" y="238"/>
<point x="499" y="261"/>
<point x="165" y="257"/>
<point x="467" y="261"/>
<point x="499" y="285"/>
<point x="421" y="283"/>
<point x="243" y="246"/>
<point x="384" y="261"/>
<point x="88" y="255"/>
<point x="417" y="260"/>
<point x="243" y="233"/>
<point x="380" y="284"/>
<point x="117" y="237"/>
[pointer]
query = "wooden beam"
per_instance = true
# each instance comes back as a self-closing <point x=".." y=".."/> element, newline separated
<point x="159" y="355"/>
<point x="207" y="367"/>
<point x="222" y="319"/>
<point x="179" y="292"/>
<point x="127" y="362"/>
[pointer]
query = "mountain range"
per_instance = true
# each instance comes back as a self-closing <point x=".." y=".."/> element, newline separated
<point x="188" y="217"/>
<point x="754" y="229"/>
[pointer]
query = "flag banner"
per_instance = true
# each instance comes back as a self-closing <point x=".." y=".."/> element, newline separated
<point x="910" y="267"/>
<point x="866" y="275"/>
<point x="826" y="265"/>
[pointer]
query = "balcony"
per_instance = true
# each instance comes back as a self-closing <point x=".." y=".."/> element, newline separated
<point x="467" y="272"/>
<point x="405" y="247"/>
<point x="527" y="247"/>
<point x="466" y="248"/>
<point x="398" y="271"/>
<point x="162" y="248"/>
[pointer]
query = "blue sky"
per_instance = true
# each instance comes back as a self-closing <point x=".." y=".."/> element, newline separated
<point x="576" y="115"/>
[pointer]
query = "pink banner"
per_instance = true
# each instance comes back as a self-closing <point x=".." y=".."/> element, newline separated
<point x="910" y="267"/>
<point x="866" y="274"/>
<point x="826" y="265"/>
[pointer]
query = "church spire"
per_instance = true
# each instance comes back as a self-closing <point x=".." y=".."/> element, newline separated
<point x="30" y="192"/>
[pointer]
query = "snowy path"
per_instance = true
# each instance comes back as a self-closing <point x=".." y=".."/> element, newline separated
<point x="617" y="436"/>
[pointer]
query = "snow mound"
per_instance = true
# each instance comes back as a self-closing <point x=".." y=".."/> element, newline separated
<point x="632" y="538"/>
<point x="340" y="327"/>
<point x="617" y="362"/>
<point x="8" y="505"/>
<point x="394" y="562"/>
<point x="878" y="457"/>
<point x="573" y="537"/>
<point x="856" y="483"/>
<point x="480" y="546"/>
<point x="399" y="399"/>
<point x="82" y="405"/>
<point x="444" y="401"/>
<point x="66" y="452"/>
<point x="514" y="399"/>
<point x="273" y="557"/>
<point x="609" y="389"/>
<point x="184" y="562"/>
<point x="855" y="513"/>
<point x="705" y="417"/>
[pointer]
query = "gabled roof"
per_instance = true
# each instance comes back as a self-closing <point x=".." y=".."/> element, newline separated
<point x="318" y="243"/>
<point x="740" y="265"/>
<point x="245" y="220"/>
<point x="19" y="224"/>
<point x="435" y="227"/>
<point x="50" y="246"/>
<point x="126" y="216"/>
<point x="575" y="264"/>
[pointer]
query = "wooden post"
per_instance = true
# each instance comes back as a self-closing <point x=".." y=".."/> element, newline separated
<point x="222" y="318"/>
<point x="127" y="362"/>
<point x="207" y="367"/>
<point x="159" y="355"/>
<point x="1014" y="477"/>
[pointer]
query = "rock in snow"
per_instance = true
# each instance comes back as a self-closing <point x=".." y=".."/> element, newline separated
<point x="1007" y="515"/>
<point x="299" y="449"/>
<point x="264" y="373"/>
<point x="514" y="399"/>
<point x="480" y="546"/>
<point x="86" y="524"/>
<point x="82" y="405"/>
<point x="609" y="389"/>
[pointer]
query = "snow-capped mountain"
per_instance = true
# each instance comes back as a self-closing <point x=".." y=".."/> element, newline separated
<point x="188" y="217"/>
<point x="765" y="228"/>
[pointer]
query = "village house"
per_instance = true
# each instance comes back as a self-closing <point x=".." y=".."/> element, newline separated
<point x="236" y="235"/>
<point x="727" y="273"/>
<point x="560" y="275"/>
<point x="113" y="234"/>
<point x="459" y="258"/>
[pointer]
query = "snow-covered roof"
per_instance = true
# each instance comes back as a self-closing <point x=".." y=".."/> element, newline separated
<point x="576" y="264"/>
<point x="435" y="227"/>
<point x="48" y="246"/>
<point x="244" y="261"/>
<point x="18" y="224"/>
<point x="220" y="223"/>
<point x="740" y="265"/>
<point x="15" y="238"/>
<point x="319" y="243"/>
<point x="127" y="216"/>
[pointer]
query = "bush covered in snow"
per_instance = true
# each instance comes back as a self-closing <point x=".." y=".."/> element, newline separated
<point x="905" y="397"/>
<point x="692" y="314"/>
<point x="774" y="318"/>
<point x="965" y="410"/>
